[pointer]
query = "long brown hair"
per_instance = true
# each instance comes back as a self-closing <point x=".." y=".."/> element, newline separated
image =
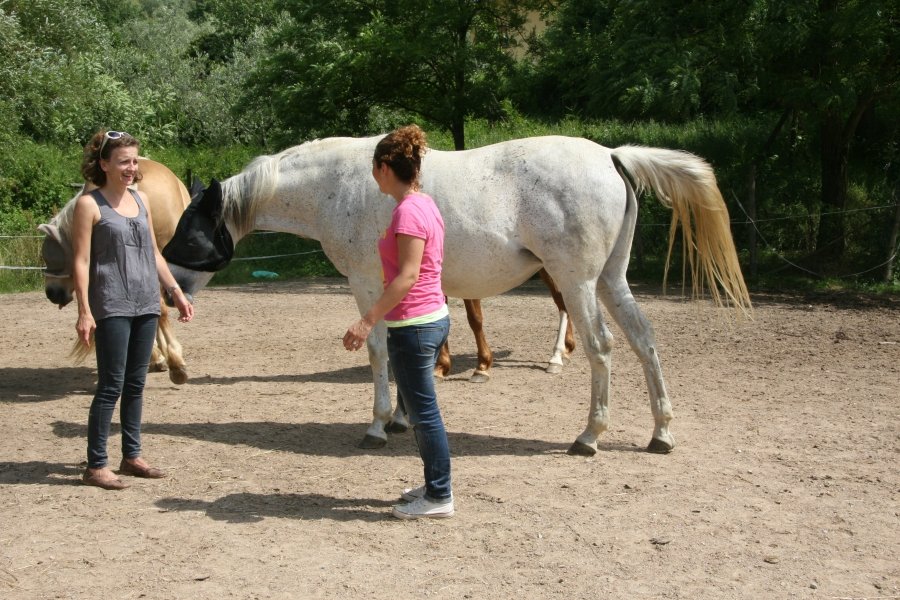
<point x="402" y="150"/>
<point x="95" y="150"/>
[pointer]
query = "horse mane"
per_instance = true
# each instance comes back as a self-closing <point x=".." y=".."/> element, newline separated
<point x="244" y="193"/>
<point x="63" y="219"/>
<point x="255" y="185"/>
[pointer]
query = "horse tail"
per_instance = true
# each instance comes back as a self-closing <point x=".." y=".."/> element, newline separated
<point x="80" y="352"/>
<point x="686" y="183"/>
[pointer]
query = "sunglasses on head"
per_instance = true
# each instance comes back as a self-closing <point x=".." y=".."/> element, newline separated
<point x="110" y="135"/>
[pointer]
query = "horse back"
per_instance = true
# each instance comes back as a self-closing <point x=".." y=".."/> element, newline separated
<point x="167" y="198"/>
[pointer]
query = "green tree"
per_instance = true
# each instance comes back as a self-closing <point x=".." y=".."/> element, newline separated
<point x="41" y="70"/>
<point x="334" y="67"/>
<point x="181" y="96"/>
<point x="154" y="63"/>
<point x="833" y="60"/>
<point x="671" y="60"/>
<point x="232" y="23"/>
<point x="825" y="64"/>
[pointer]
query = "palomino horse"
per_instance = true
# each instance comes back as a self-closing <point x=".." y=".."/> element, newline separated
<point x="510" y="209"/>
<point x="167" y="198"/>
<point x="562" y="348"/>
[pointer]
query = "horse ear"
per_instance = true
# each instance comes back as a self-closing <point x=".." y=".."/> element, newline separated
<point x="211" y="200"/>
<point x="49" y="230"/>
<point x="197" y="188"/>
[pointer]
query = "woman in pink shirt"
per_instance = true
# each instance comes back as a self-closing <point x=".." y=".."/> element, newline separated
<point x="414" y="308"/>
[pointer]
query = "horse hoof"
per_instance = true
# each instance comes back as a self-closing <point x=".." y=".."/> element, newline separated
<point x="370" y="442"/>
<point x="395" y="427"/>
<point x="480" y="377"/>
<point x="178" y="376"/>
<point x="554" y="369"/>
<point x="159" y="367"/>
<point x="658" y="446"/>
<point x="581" y="449"/>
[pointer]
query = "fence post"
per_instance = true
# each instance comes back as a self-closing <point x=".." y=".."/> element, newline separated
<point x="751" y="216"/>
<point x="892" y="243"/>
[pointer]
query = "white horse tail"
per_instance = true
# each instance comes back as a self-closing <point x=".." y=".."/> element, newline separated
<point x="686" y="183"/>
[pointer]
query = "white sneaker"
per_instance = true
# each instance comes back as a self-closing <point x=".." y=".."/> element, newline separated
<point x="410" y="494"/>
<point x="424" y="508"/>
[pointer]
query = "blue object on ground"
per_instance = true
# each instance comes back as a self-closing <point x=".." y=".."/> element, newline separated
<point x="264" y="274"/>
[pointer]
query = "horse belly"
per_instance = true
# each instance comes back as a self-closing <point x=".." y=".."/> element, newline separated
<point x="486" y="272"/>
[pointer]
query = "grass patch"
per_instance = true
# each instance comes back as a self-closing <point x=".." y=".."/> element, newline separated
<point x="23" y="253"/>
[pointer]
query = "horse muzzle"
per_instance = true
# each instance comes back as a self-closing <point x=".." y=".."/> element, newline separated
<point x="59" y="296"/>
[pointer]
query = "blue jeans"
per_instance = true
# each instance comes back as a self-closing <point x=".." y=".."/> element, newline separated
<point x="124" y="345"/>
<point x="413" y="351"/>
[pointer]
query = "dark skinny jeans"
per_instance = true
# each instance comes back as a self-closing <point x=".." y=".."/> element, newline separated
<point x="124" y="345"/>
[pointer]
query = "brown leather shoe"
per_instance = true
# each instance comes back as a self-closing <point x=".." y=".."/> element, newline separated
<point x="94" y="477"/>
<point x="148" y="472"/>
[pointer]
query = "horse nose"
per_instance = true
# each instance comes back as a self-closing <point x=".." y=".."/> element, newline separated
<point x="56" y="295"/>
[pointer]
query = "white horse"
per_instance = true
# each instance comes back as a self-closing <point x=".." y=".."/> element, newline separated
<point x="167" y="198"/>
<point x="559" y="203"/>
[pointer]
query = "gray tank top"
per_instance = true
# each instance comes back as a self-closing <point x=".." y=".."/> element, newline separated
<point x="123" y="278"/>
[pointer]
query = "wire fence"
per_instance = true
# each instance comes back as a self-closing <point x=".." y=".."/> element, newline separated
<point x="755" y="223"/>
<point x="35" y="257"/>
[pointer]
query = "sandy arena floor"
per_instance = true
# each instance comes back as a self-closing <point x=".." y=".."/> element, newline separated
<point x="784" y="482"/>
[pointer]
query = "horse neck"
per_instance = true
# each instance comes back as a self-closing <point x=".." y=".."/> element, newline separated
<point x="283" y="192"/>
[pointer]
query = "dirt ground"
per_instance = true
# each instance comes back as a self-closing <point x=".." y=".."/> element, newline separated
<point x="784" y="482"/>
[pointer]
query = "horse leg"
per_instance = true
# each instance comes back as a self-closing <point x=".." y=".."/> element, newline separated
<point x="157" y="358"/>
<point x="399" y="422"/>
<point x="442" y="365"/>
<point x="376" y="434"/>
<point x="620" y="302"/>
<point x="560" y="355"/>
<point x="565" y="337"/>
<point x="366" y="292"/>
<point x="581" y="298"/>
<point x="475" y="317"/>
<point x="170" y="348"/>
<point x="158" y="354"/>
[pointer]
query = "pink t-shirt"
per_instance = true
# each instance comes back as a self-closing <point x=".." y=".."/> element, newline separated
<point x="416" y="216"/>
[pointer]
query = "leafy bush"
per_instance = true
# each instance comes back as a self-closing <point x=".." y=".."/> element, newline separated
<point x="35" y="181"/>
<point x="204" y="163"/>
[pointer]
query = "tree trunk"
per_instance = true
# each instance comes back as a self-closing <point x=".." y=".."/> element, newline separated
<point x="458" y="131"/>
<point x="831" y="238"/>
<point x="836" y="136"/>
<point x="751" y="190"/>
<point x="892" y="243"/>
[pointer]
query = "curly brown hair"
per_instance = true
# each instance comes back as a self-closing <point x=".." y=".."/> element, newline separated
<point x="402" y="150"/>
<point x="96" y="149"/>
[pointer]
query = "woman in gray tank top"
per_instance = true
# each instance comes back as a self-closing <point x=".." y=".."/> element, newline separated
<point x="117" y="272"/>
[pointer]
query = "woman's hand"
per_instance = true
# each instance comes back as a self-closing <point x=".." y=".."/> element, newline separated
<point x="85" y="327"/>
<point x="185" y="308"/>
<point x="356" y="335"/>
